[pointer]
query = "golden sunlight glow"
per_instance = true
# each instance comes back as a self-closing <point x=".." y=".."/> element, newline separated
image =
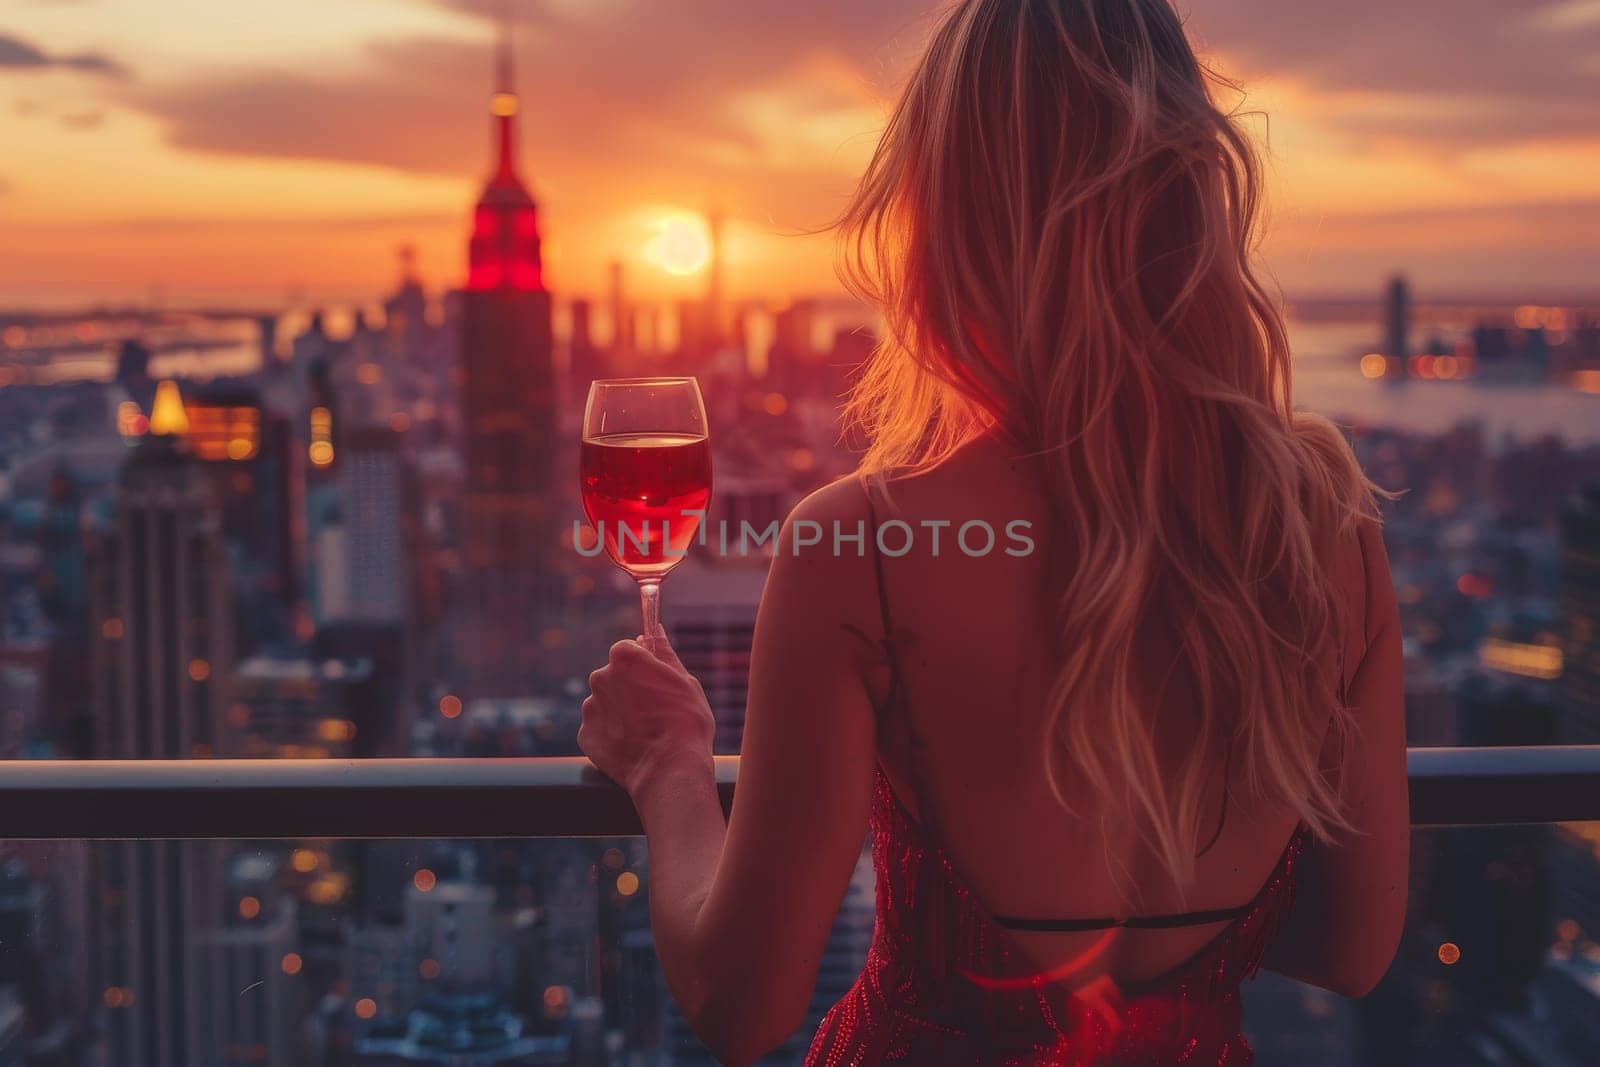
<point x="681" y="245"/>
<point x="241" y="209"/>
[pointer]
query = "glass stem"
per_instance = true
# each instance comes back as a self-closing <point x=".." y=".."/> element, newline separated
<point x="650" y="602"/>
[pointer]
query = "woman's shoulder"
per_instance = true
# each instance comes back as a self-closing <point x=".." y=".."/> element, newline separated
<point x="842" y="500"/>
<point x="1367" y="601"/>
<point x="1377" y="594"/>
<point x="825" y="543"/>
<point x="824" y="577"/>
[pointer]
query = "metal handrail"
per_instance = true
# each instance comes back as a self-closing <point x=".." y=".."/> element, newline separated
<point x="567" y="797"/>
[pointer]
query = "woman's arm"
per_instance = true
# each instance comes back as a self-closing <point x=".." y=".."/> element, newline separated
<point x="1351" y="899"/>
<point x="742" y="915"/>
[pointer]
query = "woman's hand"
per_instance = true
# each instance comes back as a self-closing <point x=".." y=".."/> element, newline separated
<point x="646" y="717"/>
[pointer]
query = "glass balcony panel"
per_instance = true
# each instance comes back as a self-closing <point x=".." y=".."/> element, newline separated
<point x="1499" y="963"/>
<point x="326" y="952"/>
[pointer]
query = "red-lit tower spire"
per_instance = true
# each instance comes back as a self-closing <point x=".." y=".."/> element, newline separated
<point x="504" y="253"/>
<point x="513" y="560"/>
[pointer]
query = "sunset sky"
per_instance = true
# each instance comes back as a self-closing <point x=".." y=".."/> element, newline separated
<point x="205" y="150"/>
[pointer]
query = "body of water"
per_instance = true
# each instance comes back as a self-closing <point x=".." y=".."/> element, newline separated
<point x="1327" y="381"/>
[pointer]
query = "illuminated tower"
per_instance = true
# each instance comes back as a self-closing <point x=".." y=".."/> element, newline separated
<point x="509" y="415"/>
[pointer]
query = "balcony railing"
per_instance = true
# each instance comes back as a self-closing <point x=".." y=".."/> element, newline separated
<point x="566" y="797"/>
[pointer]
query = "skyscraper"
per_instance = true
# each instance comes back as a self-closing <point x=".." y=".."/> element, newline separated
<point x="245" y="450"/>
<point x="377" y="492"/>
<point x="622" y="314"/>
<point x="162" y="616"/>
<point x="586" y="360"/>
<point x="161" y="601"/>
<point x="365" y="538"/>
<point x="716" y="296"/>
<point x="1579" y="720"/>
<point x="1397" y="324"/>
<point x="792" y="362"/>
<point x="63" y="595"/>
<point x="1569" y="979"/>
<point x="406" y="311"/>
<point x="509" y="413"/>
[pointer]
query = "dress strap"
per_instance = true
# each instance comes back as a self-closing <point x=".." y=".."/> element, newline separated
<point x="884" y="589"/>
<point x="896" y="734"/>
<point x="886" y="619"/>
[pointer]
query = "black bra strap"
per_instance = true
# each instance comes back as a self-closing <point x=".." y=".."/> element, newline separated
<point x="1137" y="922"/>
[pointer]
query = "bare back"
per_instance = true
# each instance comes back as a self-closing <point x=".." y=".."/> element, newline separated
<point x="973" y="637"/>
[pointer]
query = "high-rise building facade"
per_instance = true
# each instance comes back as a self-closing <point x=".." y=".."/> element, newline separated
<point x="1397" y="321"/>
<point x="245" y="450"/>
<point x="161" y="603"/>
<point x="509" y="413"/>
<point x="1579" y="720"/>
<point x="162" y="616"/>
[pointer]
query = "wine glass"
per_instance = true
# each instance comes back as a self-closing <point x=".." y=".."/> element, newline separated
<point x="646" y="469"/>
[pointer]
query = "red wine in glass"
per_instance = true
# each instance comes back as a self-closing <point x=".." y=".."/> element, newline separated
<point x="646" y="472"/>
<point x="645" y="494"/>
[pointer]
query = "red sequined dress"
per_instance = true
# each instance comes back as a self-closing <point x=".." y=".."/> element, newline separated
<point x="944" y="984"/>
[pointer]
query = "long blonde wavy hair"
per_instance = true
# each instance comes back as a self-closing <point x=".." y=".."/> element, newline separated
<point x="1057" y="227"/>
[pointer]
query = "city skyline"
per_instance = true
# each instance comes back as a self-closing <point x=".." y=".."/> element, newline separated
<point x="300" y="314"/>
<point x="1452" y="147"/>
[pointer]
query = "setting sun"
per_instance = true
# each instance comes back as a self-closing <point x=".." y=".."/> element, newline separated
<point x="681" y="244"/>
